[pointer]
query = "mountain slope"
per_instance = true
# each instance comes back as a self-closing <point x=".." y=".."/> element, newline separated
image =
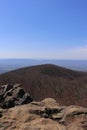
<point x="42" y="81"/>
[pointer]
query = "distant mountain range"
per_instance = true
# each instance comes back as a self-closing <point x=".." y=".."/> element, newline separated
<point x="12" y="64"/>
<point x="42" y="81"/>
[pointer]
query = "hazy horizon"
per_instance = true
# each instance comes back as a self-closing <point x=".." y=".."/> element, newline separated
<point x="12" y="64"/>
<point x="47" y="29"/>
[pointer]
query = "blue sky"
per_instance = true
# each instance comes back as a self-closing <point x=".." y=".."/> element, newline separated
<point x="43" y="29"/>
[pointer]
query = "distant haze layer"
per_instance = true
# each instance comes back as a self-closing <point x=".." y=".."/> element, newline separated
<point x="12" y="64"/>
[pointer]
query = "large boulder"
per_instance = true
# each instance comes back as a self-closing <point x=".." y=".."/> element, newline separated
<point x="39" y="116"/>
<point x="13" y="95"/>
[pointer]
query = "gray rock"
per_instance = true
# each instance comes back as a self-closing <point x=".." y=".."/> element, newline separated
<point x="13" y="95"/>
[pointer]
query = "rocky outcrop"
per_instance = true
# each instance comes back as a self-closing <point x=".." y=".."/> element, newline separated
<point x="44" y="115"/>
<point x="13" y="95"/>
<point x="18" y="111"/>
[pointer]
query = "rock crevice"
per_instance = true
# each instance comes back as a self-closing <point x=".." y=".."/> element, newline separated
<point x="13" y="95"/>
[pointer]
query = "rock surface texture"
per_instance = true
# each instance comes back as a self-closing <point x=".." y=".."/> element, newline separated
<point x="44" y="115"/>
<point x="13" y="95"/>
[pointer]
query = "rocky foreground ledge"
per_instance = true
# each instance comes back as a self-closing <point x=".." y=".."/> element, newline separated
<point x="13" y="95"/>
<point x="44" y="115"/>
